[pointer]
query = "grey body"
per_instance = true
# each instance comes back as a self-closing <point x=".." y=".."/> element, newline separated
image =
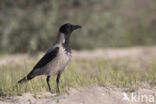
<point x="59" y="63"/>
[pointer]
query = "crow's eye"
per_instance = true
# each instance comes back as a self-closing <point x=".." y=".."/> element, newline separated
<point x="69" y="26"/>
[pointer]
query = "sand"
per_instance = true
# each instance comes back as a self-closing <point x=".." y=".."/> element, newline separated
<point x="98" y="95"/>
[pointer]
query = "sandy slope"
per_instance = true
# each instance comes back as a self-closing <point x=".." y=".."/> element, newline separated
<point x="98" y="95"/>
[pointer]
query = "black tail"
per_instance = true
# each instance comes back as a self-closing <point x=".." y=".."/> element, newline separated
<point x="30" y="76"/>
<point x="25" y="79"/>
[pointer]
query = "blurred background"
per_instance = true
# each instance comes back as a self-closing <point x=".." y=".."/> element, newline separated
<point x="116" y="48"/>
<point x="32" y="25"/>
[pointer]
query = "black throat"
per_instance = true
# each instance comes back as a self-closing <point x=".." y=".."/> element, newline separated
<point x="66" y="45"/>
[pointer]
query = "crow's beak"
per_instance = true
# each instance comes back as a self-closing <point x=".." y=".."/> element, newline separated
<point x="76" y="27"/>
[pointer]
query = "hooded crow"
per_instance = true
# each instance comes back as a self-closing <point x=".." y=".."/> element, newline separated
<point x="57" y="57"/>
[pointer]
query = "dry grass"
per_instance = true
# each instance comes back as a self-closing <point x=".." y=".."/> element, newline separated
<point x="122" y="73"/>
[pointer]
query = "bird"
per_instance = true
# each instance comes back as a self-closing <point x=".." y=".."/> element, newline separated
<point x="56" y="59"/>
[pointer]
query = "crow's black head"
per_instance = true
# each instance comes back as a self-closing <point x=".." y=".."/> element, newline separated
<point x="68" y="28"/>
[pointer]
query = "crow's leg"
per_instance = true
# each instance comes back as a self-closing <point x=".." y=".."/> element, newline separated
<point x="48" y="78"/>
<point x="57" y="81"/>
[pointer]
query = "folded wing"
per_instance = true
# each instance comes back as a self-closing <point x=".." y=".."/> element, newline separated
<point x="48" y="57"/>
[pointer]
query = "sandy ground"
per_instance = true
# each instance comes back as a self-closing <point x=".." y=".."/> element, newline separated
<point x="144" y="53"/>
<point x="135" y="53"/>
<point x="98" y="95"/>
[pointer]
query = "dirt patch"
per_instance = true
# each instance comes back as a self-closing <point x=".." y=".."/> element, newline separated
<point x="98" y="95"/>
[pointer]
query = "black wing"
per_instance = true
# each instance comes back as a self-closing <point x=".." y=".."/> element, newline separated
<point x="47" y="58"/>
